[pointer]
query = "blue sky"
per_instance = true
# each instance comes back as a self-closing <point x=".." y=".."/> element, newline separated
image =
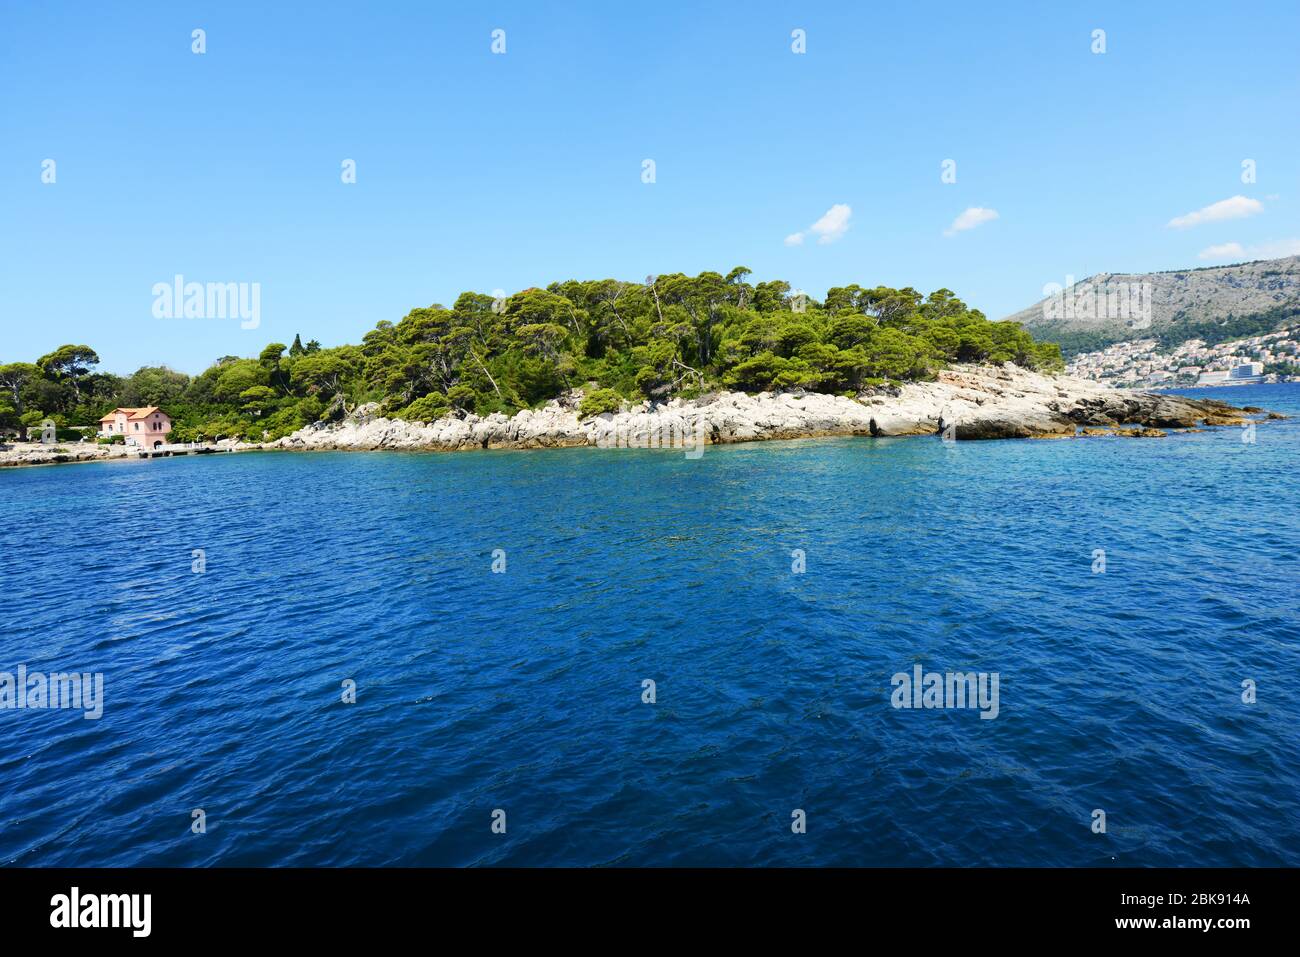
<point x="483" y="171"/>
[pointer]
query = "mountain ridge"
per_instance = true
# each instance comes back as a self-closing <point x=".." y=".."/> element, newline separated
<point x="1214" y="303"/>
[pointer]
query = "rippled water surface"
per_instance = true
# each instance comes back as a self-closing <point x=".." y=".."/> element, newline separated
<point x="523" y="691"/>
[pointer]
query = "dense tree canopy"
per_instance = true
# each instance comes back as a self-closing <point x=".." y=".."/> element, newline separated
<point x="672" y="335"/>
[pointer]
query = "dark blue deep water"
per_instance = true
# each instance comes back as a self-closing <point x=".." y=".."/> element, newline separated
<point x="522" y="691"/>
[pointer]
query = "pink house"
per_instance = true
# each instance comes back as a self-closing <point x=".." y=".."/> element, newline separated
<point x="147" y="427"/>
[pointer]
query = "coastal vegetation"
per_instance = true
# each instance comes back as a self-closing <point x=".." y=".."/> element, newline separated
<point x="672" y="336"/>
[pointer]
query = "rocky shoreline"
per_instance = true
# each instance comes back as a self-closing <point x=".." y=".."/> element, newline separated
<point x="964" y="403"/>
<point x="36" y="453"/>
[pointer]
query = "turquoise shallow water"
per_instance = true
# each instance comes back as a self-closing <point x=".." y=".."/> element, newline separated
<point x="522" y="691"/>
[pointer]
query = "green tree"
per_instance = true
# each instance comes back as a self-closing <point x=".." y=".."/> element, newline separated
<point x="325" y="374"/>
<point x="239" y="376"/>
<point x="598" y="401"/>
<point x="69" y="365"/>
<point x="152" y="385"/>
<point x="15" y="379"/>
<point x="257" y="399"/>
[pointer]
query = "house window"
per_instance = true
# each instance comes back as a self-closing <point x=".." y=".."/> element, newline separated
<point x="137" y="426"/>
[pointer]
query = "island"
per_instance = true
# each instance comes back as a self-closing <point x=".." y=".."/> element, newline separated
<point x="675" y="361"/>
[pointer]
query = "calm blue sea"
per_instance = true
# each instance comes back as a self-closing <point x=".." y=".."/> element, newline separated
<point x="522" y="691"/>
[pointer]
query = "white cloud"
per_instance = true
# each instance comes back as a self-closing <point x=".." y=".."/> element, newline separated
<point x="1238" y="207"/>
<point x="832" y="226"/>
<point x="970" y="218"/>
<point x="1222" y="251"/>
<point x="1274" y="249"/>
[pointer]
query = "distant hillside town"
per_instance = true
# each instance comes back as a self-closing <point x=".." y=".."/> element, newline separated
<point x="1143" y="363"/>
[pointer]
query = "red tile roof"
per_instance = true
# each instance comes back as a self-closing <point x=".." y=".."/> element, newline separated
<point x="142" y="413"/>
